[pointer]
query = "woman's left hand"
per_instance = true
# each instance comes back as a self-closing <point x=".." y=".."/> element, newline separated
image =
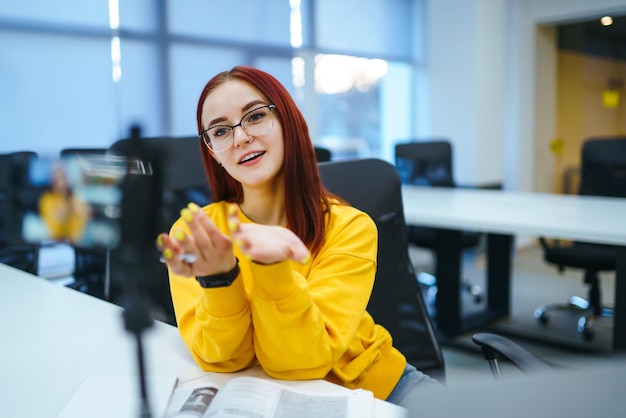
<point x="266" y="244"/>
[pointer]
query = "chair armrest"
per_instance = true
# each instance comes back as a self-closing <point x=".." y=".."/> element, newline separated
<point x="495" y="346"/>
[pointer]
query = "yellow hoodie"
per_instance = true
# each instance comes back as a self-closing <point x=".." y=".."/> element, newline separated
<point x="296" y="321"/>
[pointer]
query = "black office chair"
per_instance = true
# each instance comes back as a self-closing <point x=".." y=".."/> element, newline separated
<point x="71" y="152"/>
<point x="14" y="193"/>
<point x="603" y="173"/>
<point x="495" y="348"/>
<point x="322" y="154"/>
<point x="429" y="163"/>
<point x="374" y="187"/>
<point x="183" y="180"/>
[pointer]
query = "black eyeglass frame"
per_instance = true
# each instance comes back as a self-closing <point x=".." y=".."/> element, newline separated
<point x="271" y="107"/>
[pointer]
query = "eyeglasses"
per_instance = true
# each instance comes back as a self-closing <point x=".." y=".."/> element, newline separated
<point x="259" y="121"/>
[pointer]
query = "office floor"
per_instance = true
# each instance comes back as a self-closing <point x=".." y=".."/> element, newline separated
<point x="533" y="283"/>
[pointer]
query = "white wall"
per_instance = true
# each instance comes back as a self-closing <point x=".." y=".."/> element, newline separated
<point x="483" y="60"/>
<point x="466" y="87"/>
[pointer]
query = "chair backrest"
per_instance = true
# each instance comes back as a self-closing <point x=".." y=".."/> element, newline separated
<point x="603" y="169"/>
<point x="182" y="180"/>
<point x="67" y="152"/>
<point x="322" y="154"/>
<point x="426" y="163"/>
<point x="373" y="186"/>
<point x="14" y="193"/>
<point x="16" y="197"/>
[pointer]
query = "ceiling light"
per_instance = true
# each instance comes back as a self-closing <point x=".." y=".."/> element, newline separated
<point x="606" y="20"/>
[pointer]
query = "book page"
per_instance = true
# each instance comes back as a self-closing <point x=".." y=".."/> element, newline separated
<point x="251" y="397"/>
<point x="246" y="397"/>
<point x="355" y="404"/>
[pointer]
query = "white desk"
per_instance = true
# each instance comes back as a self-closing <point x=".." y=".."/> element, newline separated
<point x="503" y="214"/>
<point x="54" y="337"/>
<point x="584" y="218"/>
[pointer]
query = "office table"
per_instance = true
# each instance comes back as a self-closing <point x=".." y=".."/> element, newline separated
<point x="54" y="337"/>
<point x="501" y="215"/>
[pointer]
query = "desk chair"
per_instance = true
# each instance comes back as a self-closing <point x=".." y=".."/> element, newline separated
<point x="70" y="152"/>
<point x="13" y="250"/>
<point x="183" y="180"/>
<point x="495" y="348"/>
<point x="374" y="187"/>
<point x="430" y="164"/>
<point x="322" y="154"/>
<point x="603" y="173"/>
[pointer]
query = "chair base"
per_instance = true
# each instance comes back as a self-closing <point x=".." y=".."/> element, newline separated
<point x="429" y="283"/>
<point x="586" y="312"/>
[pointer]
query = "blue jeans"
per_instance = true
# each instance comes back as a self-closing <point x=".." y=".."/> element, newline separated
<point x="410" y="379"/>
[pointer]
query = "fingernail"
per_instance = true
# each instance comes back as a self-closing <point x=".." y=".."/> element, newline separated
<point x="232" y="225"/>
<point x="159" y="240"/>
<point x="186" y="214"/>
<point x="193" y="207"/>
<point x="179" y="235"/>
<point x="232" y="209"/>
<point x="306" y="259"/>
<point x="239" y="243"/>
<point x="167" y="254"/>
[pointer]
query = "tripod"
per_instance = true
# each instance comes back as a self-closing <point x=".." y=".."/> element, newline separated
<point x="140" y="224"/>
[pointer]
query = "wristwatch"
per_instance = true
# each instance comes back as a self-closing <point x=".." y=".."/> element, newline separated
<point x="220" y="280"/>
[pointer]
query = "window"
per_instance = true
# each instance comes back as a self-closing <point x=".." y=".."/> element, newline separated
<point x="87" y="71"/>
<point x="363" y="95"/>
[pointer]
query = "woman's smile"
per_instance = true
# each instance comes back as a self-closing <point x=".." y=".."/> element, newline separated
<point x="251" y="158"/>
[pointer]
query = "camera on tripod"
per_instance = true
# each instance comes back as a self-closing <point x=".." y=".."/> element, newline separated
<point x="74" y="199"/>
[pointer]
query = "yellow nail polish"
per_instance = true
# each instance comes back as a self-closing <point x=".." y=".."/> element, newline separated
<point x="239" y="243"/>
<point x="179" y="235"/>
<point x="159" y="241"/>
<point x="306" y="259"/>
<point x="186" y="214"/>
<point x="232" y="225"/>
<point x="232" y="209"/>
<point x="193" y="207"/>
<point x="167" y="254"/>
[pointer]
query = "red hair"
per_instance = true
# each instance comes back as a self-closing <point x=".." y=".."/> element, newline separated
<point x="306" y="199"/>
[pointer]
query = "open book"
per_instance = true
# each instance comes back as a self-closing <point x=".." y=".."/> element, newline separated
<point x="252" y="397"/>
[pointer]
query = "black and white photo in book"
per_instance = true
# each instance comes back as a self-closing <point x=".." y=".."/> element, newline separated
<point x="252" y="397"/>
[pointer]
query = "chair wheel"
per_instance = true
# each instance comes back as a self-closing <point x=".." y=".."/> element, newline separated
<point x="584" y="327"/>
<point x="476" y="292"/>
<point x="543" y="319"/>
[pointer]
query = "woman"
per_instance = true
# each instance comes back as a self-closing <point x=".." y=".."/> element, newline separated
<point x="277" y="271"/>
<point x="63" y="214"/>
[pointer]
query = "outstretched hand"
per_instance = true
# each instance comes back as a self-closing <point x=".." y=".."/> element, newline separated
<point x="205" y="250"/>
<point x="266" y="244"/>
